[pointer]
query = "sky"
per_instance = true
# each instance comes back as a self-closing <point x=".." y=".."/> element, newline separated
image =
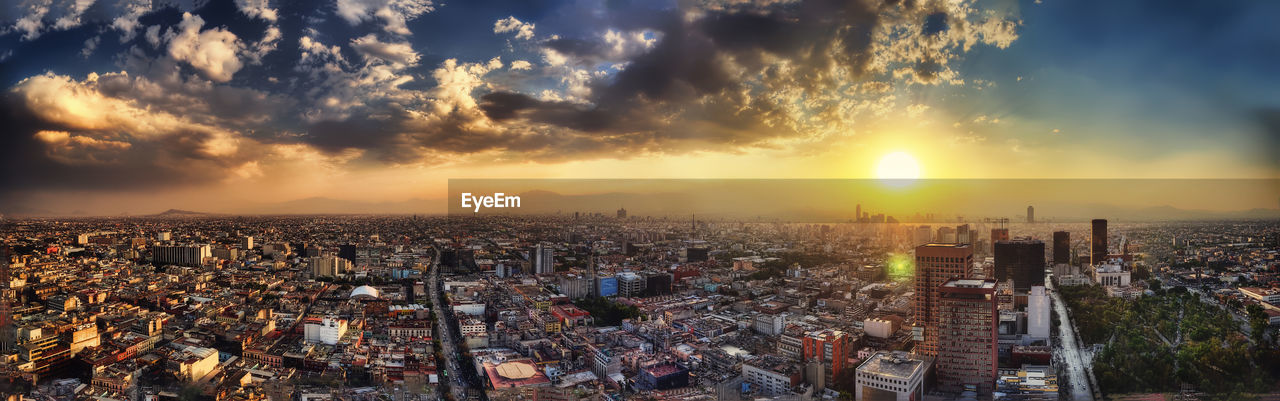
<point x="135" y="106"/>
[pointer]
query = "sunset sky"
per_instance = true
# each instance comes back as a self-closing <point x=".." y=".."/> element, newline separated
<point x="117" y="106"/>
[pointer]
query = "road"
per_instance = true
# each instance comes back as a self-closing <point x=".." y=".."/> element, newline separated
<point x="1068" y="351"/>
<point x="447" y="346"/>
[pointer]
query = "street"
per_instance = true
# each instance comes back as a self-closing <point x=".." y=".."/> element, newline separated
<point x="1068" y="352"/>
<point x="448" y="349"/>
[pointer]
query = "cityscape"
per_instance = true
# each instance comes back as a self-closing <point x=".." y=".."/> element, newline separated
<point x="639" y="200"/>
<point x="596" y="306"/>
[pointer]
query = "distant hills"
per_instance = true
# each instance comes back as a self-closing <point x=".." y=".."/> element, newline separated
<point x="680" y="203"/>
<point x="180" y="213"/>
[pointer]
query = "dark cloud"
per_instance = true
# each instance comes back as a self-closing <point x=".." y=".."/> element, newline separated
<point x="690" y="86"/>
<point x="169" y="162"/>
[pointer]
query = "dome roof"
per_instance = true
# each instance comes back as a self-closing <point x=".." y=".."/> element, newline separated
<point x="366" y="291"/>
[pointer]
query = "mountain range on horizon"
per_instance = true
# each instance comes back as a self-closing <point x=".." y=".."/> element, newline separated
<point x="660" y="204"/>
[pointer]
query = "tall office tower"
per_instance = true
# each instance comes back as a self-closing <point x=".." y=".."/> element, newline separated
<point x="1038" y="313"/>
<point x="999" y="234"/>
<point x="923" y="235"/>
<point x="8" y="333"/>
<point x="1021" y="260"/>
<point x="348" y="252"/>
<point x="857" y="213"/>
<point x="1098" y="242"/>
<point x="964" y="234"/>
<point x="1061" y="247"/>
<point x="622" y="213"/>
<point x="544" y="260"/>
<point x="946" y="235"/>
<point x="1031" y="214"/>
<point x="831" y="349"/>
<point x="968" y="325"/>
<point x="246" y="242"/>
<point x="935" y="265"/>
<point x="181" y="255"/>
<point x="328" y="266"/>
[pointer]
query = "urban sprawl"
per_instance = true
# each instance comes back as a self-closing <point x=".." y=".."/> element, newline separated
<point x="596" y="306"/>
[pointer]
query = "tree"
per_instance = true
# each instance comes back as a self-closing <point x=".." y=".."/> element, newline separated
<point x="1258" y="322"/>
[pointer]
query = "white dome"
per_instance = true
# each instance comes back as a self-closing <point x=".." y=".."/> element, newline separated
<point x="366" y="291"/>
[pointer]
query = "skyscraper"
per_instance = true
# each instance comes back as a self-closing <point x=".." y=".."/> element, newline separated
<point x="1061" y="247"/>
<point x="968" y="325"/>
<point x="963" y="234"/>
<point x="936" y="264"/>
<point x="348" y="252"/>
<point x="857" y="213"/>
<point x="999" y="234"/>
<point x="544" y="260"/>
<point x="1098" y="242"/>
<point x="622" y="213"/>
<point x="181" y="255"/>
<point x="1021" y="260"/>
<point x="830" y="348"/>
<point x="1031" y="214"/>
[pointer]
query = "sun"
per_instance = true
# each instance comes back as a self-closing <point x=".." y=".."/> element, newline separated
<point x="898" y="165"/>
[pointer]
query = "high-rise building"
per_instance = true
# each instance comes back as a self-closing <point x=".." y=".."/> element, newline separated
<point x="923" y="235"/>
<point x="544" y="260"/>
<point x="831" y="349"/>
<point x="1098" y="242"/>
<point x="1038" y="313"/>
<point x="968" y="322"/>
<point x="1031" y="214"/>
<point x="936" y="263"/>
<point x="246" y="242"/>
<point x="963" y="234"/>
<point x="857" y="213"/>
<point x="1061" y="247"/>
<point x="181" y="255"/>
<point x="328" y="266"/>
<point x="630" y="284"/>
<point x="890" y="376"/>
<point x="622" y="213"/>
<point x="1021" y="260"/>
<point x="999" y="234"/>
<point x="348" y="252"/>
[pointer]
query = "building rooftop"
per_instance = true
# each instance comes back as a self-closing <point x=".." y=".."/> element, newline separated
<point x="970" y="283"/>
<point x="894" y="364"/>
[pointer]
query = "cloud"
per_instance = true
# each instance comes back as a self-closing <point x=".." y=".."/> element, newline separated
<point x="90" y="45"/>
<point x="116" y="132"/>
<point x="627" y="81"/>
<point x="523" y="30"/>
<point x="127" y="20"/>
<point x="393" y="13"/>
<point x="257" y="9"/>
<point x="371" y="48"/>
<point x="520" y="65"/>
<point x="213" y="52"/>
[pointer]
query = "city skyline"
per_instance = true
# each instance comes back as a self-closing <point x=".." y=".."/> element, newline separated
<point x="116" y="108"/>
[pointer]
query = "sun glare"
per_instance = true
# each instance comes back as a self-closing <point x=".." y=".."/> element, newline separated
<point x="898" y="165"/>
